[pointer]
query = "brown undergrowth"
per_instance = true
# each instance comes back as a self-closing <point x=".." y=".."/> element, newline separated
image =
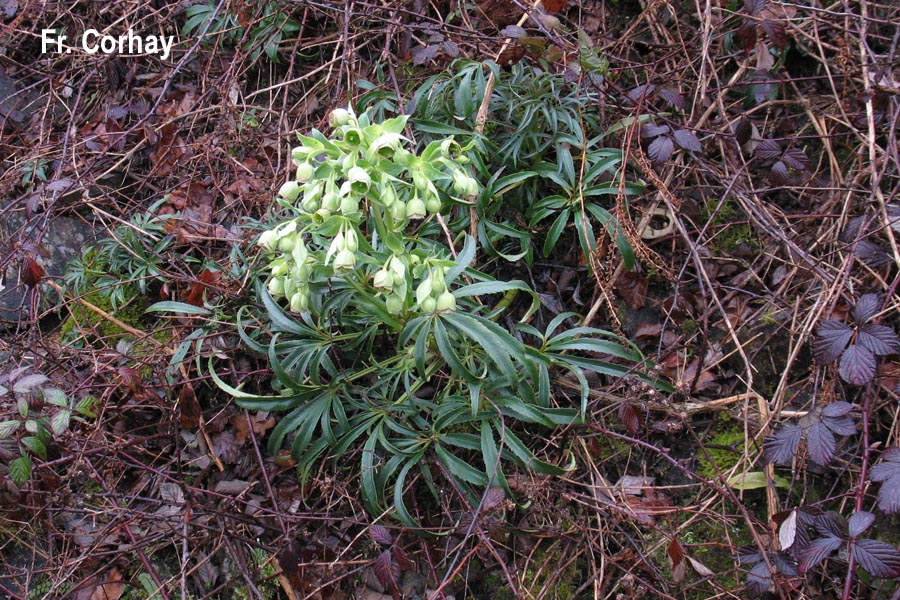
<point x="766" y="136"/>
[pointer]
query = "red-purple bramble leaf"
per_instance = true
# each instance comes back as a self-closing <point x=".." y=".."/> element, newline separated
<point x="831" y="524"/>
<point x="853" y="230"/>
<point x="387" y="572"/>
<point x="880" y="340"/>
<point x="754" y="7"/>
<point x="832" y="339"/>
<point x="857" y="365"/>
<point x="671" y="96"/>
<point x="859" y="522"/>
<point x="781" y="447"/>
<point x="779" y="174"/>
<point x="776" y="33"/>
<point x="838" y="409"/>
<point x="817" y="551"/>
<point x="768" y="150"/>
<point x="493" y="498"/>
<point x="820" y="443"/>
<point x="652" y="130"/>
<point x="745" y="36"/>
<point x="840" y="425"/>
<point x="381" y="535"/>
<point x="872" y="254"/>
<point x="641" y="92"/>
<point x="660" y="149"/>
<point x="879" y="559"/>
<point x="866" y="307"/>
<point x="759" y="580"/>
<point x="688" y="141"/>
<point x="888" y="472"/>
<point x="796" y="159"/>
<point x="743" y="130"/>
<point x="401" y="558"/>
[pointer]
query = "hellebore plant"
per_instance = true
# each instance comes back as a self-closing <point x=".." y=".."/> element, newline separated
<point x="379" y="338"/>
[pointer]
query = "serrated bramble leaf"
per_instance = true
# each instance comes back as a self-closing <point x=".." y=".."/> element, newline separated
<point x="796" y="159"/>
<point x="687" y="140"/>
<point x="767" y="149"/>
<point x="754" y="7"/>
<point x="745" y="36"/>
<point x="660" y="150"/>
<point x="640" y="92"/>
<point x="857" y="365"/>
<point x="820" y="443"/>
<point x="817" y="551"/>
<point x="888" y="472"/>
<point x="831" y="341"/>
<point x="878" y="558"/>
<point x="55" y="396"/>
<point x="20" y="469"/>
<point x="652" y="130"/>
<point x="838" y="409"/>
<point x="59" y="422"/>
<point x="830" y="524"/>
<point x="672" y="97"/>
<point x="776" y="32"/>
<point x="381" y="535"/>
<point x="867" y="307"/>
<point x="840" y="425"/>
<point x="7" y="428"/>
<point x="859" y="522"/>
<point x="872" y="254"/>
<point x="781" y="446"/>
<point x="387" y="572"/>
<point x="759" y="580"/>
<point x="879" y="339"/>
<point x="779" y="174"/>
<point x="29" y="382"/>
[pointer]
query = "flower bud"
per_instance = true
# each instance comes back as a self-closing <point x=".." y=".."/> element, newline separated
<point x="446" y="302"/>
<point x="383" y="280"/>
<point x="433" y="205"/>
<point x="268" y="240"/>
<point x="394" y="304"/>
<point x="320" y="216"/>
<point x="349" y="205"/>
<point x="286" y="244"/>
<point x="415" y="209"/>
<point x="437" y="281"/>
<point x="280" y="267"/>
<point x="388" y="194"/>
<point x="420" y="180"/>
<point x="297" y="302"/>
<point x="403" y="157"/>
<point x="290" y="191"/>
<point x="338" y="117"/>
<point x="305" y="171"/>
<point x="351" y="242"/>
<point x="331" y="201"/>
<point x="428" y="305"/>
<point x="276" y="287"/>
<point x="398" y="211"/>
<point x="344" y="261"/>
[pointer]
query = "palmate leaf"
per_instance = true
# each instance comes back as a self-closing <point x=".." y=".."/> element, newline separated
<point x="660" y="150"/>
<point x="888" y="472"/>
<point x="781" y="447"/>
<point x="878" y="558"/>
<point x="859" y="522"/>
<point x="817" y="551"/>
<point x="688" y="141"/>
<point x="831" y="340"/>
<point x="880" y="340"/>
<point x="820" y="443"/>
<point x="867" y="307"/>
<point x="857" y="365"/>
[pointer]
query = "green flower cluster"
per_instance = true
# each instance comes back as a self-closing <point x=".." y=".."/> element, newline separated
<point x="353" y="197"/>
